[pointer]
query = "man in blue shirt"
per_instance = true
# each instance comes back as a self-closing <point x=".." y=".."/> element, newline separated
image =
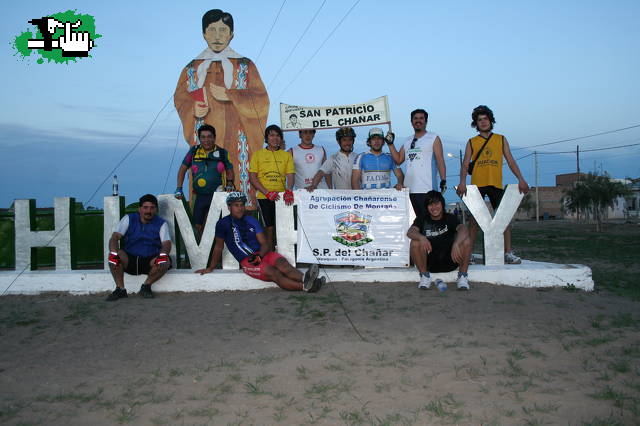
<point x="372" y="170"/>
<point x="247" y="242"/>
<point x="145" y="249"/>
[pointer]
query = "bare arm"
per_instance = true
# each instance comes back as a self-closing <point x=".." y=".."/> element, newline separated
<point x="216" y="257"/>
<point x="291" y="178"/>
<point x="462" y="186"/>
<point x="439" y="154"/>
<point x="398" y="156"/>
<point x="165" y="247"/>
<point x="316" y="180"/>
<point x="414" y="234"/>
<point x="355" y="179"/>
<point x="255" y="182"/>
<point x="114" y="240"/>
<point x="523" y="187"/>
<point x="181" y="172"/>
<point x="264" y="246"/>
<point x="400" y="176"/>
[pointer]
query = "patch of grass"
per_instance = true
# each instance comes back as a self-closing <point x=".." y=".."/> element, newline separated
<point x="303" y="373"/>
<point x="9" y="411"/>
<point x="517" y="354"/>
<point x="334" y="367"/>
<point x="623" y="320"/>
<point x="21" y="318"/>
<point x="620" y="366"/>
<point x="631" y="351"/>
<point x="208" y="412"/>
<point x="77" y="397"/>
<point x="327" y="391"/>
<point x="445" y="407"/>
<point x="79" y="311"/>
<point x="609" y="394"/>
<point x="597" y="341"/>
<point x="598" y="421"/>
<point x="543" y="408"/>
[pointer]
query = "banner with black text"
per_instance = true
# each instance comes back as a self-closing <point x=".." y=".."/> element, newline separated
<point x="370" y="113"/>
<point x="347" y="227"/>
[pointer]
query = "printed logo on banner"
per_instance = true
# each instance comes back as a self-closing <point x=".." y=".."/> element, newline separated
<point x="59" y="38"/>
<point x="352" y="228"/>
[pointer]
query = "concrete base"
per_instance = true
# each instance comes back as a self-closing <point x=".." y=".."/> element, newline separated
<point x="528" y="274"/>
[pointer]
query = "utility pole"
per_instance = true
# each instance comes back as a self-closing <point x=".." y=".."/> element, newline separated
<point x="464" y="221"/>
<point x="535" y="154"/>
<point x="578" y="177"/>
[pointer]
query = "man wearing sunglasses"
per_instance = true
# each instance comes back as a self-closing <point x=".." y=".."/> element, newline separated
<point x="422" y="151"/>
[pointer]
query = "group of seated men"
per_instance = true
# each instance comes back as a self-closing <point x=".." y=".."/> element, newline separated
<point x="439" y="243"/>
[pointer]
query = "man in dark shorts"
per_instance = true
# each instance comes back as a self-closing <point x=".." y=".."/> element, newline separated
<point x="211" y="169"/>
<point x="487" y="151"/>
<point x="246" y="240"/>
<point x="271" y="171"/>
<point x="145" y="249"/>
<point x="439" y="243"/>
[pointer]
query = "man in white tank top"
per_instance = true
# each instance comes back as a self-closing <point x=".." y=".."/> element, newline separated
<point x="423" y="152"/>
<point x="307" y="159"/>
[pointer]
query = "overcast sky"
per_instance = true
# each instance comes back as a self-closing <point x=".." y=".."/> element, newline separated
<point x="549" y="70"/>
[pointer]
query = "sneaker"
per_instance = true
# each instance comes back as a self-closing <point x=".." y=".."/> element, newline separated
<point x="310" y="277"/>
<point x="463" y="283"/>
<point x="512" y="259"/>
<point x="317" y="285"/>
<point x="425" y="283"/>
<point x="118" y="293"/>
<point x="145" y="291"/>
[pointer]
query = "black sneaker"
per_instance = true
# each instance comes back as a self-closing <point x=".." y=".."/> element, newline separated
<point x="118" y="293"/>
<point x="317" y="285"/>
<point x="145" y="291"/>
<point x="310" y="277"/>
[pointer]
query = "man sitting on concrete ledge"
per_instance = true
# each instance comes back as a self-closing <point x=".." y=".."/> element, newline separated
<point x="439" y="243"/>
<point x="145" y="251"/>
<point x="247" y="242"/>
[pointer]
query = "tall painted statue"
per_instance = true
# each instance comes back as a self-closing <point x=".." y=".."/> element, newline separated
<point x="223" y="88"/>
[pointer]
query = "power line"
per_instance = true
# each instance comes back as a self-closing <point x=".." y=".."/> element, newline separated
<point x="297" y="43"/>
<point x="578" y="138"/>
<point x="270" y="30"/>
<point x="318" y="49"/>
<point x="590" y="150"/>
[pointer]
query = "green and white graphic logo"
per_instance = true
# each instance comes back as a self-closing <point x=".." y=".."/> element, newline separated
<point x="60" y="38"/>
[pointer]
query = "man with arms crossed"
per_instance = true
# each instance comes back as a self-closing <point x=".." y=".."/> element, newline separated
<point x="246" y="241"/>
<point x="338" y="167"/>
<point x="307" y="159"/>
<point x="145" y="251"/>
<point x="271" y="171"/>
<point x="487" y="170"/>
<point x="439" y="243"/>
<point x="372" y="170"/>
<point x="422" y="151"/>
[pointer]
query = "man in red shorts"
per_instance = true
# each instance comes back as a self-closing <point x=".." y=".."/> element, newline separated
<point x="245" y="239"/>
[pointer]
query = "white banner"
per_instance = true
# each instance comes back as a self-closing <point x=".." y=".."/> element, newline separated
<point x="346" y="227"/>
<point x="294" y="117"/>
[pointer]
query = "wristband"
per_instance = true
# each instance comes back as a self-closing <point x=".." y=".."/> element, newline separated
<point x="178" y="193"/>
<point x="443" y="185"/>
<point x="114" y="259"/>
<point x="162" y="258"/>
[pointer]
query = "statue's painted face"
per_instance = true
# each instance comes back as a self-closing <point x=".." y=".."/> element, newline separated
<point x="218" y="35"/>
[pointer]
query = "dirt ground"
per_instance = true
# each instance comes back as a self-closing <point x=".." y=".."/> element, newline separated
<point x="379" y="354"/>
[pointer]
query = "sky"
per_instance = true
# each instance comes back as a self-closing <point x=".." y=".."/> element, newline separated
<point x="549" y="70"/>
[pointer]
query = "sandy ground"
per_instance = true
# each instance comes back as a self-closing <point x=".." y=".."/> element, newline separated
<point x="494" y="355"/>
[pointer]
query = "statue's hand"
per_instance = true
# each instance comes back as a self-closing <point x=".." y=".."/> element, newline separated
<point x="201" y="109"/>
<point x="219" y="93"/>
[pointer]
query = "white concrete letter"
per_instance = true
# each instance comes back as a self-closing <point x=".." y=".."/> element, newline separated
<point x="60" y="237"/>
<point x="493" y="228"/>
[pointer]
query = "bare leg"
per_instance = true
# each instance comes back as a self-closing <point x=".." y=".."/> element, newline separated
<point x="284" y="282"/>
<point x="117" y="272"/>
<point x="507" y="239"/>
<point x="288" y="270"/>
<point x="419" y="256"/>
<point x="156" y="272"/>
<point x="269" y="234"/>
<point x="466" y="255"/>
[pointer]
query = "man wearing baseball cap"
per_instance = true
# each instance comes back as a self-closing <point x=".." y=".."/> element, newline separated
<point x="372" y="170"/>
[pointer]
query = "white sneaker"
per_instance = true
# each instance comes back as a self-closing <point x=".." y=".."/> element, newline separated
<point x="425" y="283"/>
<point x="463" y="283"/>
<point x="512" y="259"/>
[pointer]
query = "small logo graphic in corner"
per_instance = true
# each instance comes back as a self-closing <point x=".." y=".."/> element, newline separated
<point x="352" y="228"/>
<point x="60" y="37"/>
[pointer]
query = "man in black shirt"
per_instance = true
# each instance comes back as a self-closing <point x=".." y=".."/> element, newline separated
<point x="439" y="243"/>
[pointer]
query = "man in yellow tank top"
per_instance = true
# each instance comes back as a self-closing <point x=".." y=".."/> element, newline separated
<point x="487" y="170"/>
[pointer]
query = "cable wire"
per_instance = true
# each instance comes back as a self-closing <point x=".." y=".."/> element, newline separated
<point x="297" y="42"/>
<point x="175" y="148"/>
<point x="318" y="49"/>
<point x="578" y="138"/>
<point x="270" y="30"/>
